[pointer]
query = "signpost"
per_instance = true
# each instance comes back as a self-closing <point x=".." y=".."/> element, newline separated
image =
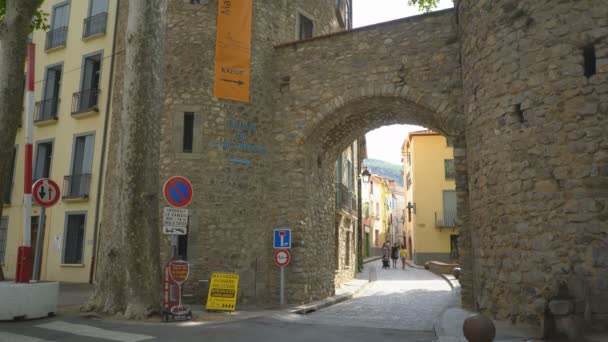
<point x="223" y="289"/>
<point x="282" y="238"/>
<point x="178" y="191"/>
<point x="282" y="259"/>
<point x="175" y="221"/>
<point x="46" y="193"/>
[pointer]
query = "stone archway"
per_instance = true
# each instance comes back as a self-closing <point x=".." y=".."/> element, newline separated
<point x="347" y="118"/>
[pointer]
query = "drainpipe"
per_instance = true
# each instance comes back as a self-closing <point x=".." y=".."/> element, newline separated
<point x="359" y="210"/>
<point x="103" y="147"/>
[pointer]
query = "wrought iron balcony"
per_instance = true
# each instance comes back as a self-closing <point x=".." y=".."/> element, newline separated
<point x="77" y="186"/>
<point x="446" y="219"/>
<point x="85" y="101"/>
<point x="56" y="38"/>
<point x="46" y="110"/>
<point x="94" y="25"/>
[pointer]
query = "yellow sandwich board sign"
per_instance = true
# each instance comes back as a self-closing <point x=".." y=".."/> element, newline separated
<point x="222" y="291"/>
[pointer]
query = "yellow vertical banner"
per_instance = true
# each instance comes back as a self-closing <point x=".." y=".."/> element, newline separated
<point x="233" y="50"/>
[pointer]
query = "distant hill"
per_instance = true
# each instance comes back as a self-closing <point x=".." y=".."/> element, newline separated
<point x="385" y="169"/>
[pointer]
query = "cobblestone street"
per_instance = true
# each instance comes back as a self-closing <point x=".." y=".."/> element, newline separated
<point x="410" y="299"/>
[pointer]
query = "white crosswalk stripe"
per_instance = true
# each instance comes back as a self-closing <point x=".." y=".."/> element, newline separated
<point x="91" y="331"/>
<point x="8" y="337"/>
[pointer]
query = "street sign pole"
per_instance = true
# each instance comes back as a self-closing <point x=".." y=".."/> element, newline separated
<point x="282" y="285"/>
<point x="39" y="241"/>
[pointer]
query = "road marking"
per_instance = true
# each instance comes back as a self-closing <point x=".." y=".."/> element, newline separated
<point x="8" y="337"/>
<point x="90" y="331"/>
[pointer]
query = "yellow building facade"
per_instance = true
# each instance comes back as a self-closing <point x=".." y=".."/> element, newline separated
<point x="430" y="198"/>
<point x="73" y="85"/>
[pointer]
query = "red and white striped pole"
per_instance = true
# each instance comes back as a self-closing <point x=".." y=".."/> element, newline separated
<point x="24" y="259"/>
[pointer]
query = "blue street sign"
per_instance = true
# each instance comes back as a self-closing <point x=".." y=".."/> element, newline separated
<point x="282" y="238"/>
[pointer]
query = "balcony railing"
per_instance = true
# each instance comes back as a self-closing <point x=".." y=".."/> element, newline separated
<point x="46" y="110"/>
<point x="94" y="25"/>
<point x="445" y="220"/>
<point x="76" y="186"/>
<point x="56" y="38"/>
<point x="85" y="101"/>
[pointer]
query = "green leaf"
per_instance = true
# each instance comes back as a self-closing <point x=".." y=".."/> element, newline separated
<point x="424" y="5"/>
<point x="39" y="22"/>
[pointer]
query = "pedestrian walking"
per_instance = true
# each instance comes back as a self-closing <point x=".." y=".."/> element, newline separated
<point x="403" y="255"/>
<point x="395" y="254"/>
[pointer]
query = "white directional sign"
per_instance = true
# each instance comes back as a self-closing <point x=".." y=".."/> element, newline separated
<point x="175" y="221"/>
<point x="175" y="230"/>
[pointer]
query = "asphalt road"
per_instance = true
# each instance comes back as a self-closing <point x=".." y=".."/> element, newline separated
<point x="399" y="306"/>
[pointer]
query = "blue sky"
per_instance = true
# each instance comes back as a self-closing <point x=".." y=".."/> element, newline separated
<point x="385" y="143"/>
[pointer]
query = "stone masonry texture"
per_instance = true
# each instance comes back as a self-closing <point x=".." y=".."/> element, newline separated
<point x="503" y="80"/>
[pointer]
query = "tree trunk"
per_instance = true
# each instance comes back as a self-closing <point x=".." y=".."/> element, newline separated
<point x="129" y="272"/>
<point x="13" y="41"/>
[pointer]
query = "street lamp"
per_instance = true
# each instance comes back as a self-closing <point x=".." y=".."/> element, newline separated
<point x="409" y="207"/>
<point x="365" y="175"/>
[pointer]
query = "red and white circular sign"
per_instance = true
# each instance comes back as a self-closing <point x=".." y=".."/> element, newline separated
<point x="178" y="191"/>
<point x="45" y="192"/>
<point x="282" y="257"/>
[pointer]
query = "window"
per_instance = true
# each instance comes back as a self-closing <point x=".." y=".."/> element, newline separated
<point x="88" y="96"/>
<point x="305" y="28"/>
<point x="78" y="183"/>
<point x="408" y="181"/>
<point x="345" y="13"/>
<point x="450" y="171"/>
<point x="57" y="35"/>
<point x="74" y="239"/>
<point x="44" y="156"/>
<point x="11" y="175"/>
<point x="589" y="60"/>
<point x="188" y="132"/>
<point x="377" y="210"/>
<point x="449" y="208"/>
<point x="3" y="234"/>
<point x="50" y="101"/>
<point x="96" y="22"/>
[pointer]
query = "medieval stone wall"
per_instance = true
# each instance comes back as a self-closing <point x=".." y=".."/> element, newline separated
<point x="537" y="147"/>
<point x="332" y="90"/>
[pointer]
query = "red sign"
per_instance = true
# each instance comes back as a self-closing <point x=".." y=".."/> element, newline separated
<point x="282" y="257"/>
<point x="45" y="192"/>
<point x="179" y="270"/>
<point x="178" y="191"/>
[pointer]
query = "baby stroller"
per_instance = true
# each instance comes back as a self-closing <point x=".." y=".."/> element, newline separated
<point x="385" y="262"/>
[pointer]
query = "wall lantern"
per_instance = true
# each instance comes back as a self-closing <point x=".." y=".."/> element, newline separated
<point x="365" y="175"/>
<point x="409" y="207"/>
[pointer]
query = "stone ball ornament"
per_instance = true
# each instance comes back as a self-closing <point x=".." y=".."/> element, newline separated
<point x="456" y="272"/>
<point x="479" y="328"/>
<point x="427" y="265"/>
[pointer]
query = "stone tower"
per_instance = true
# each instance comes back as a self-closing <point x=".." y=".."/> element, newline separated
<point x="535" y="77"/>
<point x="234" y="211"/>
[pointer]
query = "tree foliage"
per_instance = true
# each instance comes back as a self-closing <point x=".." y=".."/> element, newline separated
<point x="424" y="5"/>
<point x="39" y="21"/>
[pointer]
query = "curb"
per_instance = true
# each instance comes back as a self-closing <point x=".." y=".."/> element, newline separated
<point x="321" y="304"/>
